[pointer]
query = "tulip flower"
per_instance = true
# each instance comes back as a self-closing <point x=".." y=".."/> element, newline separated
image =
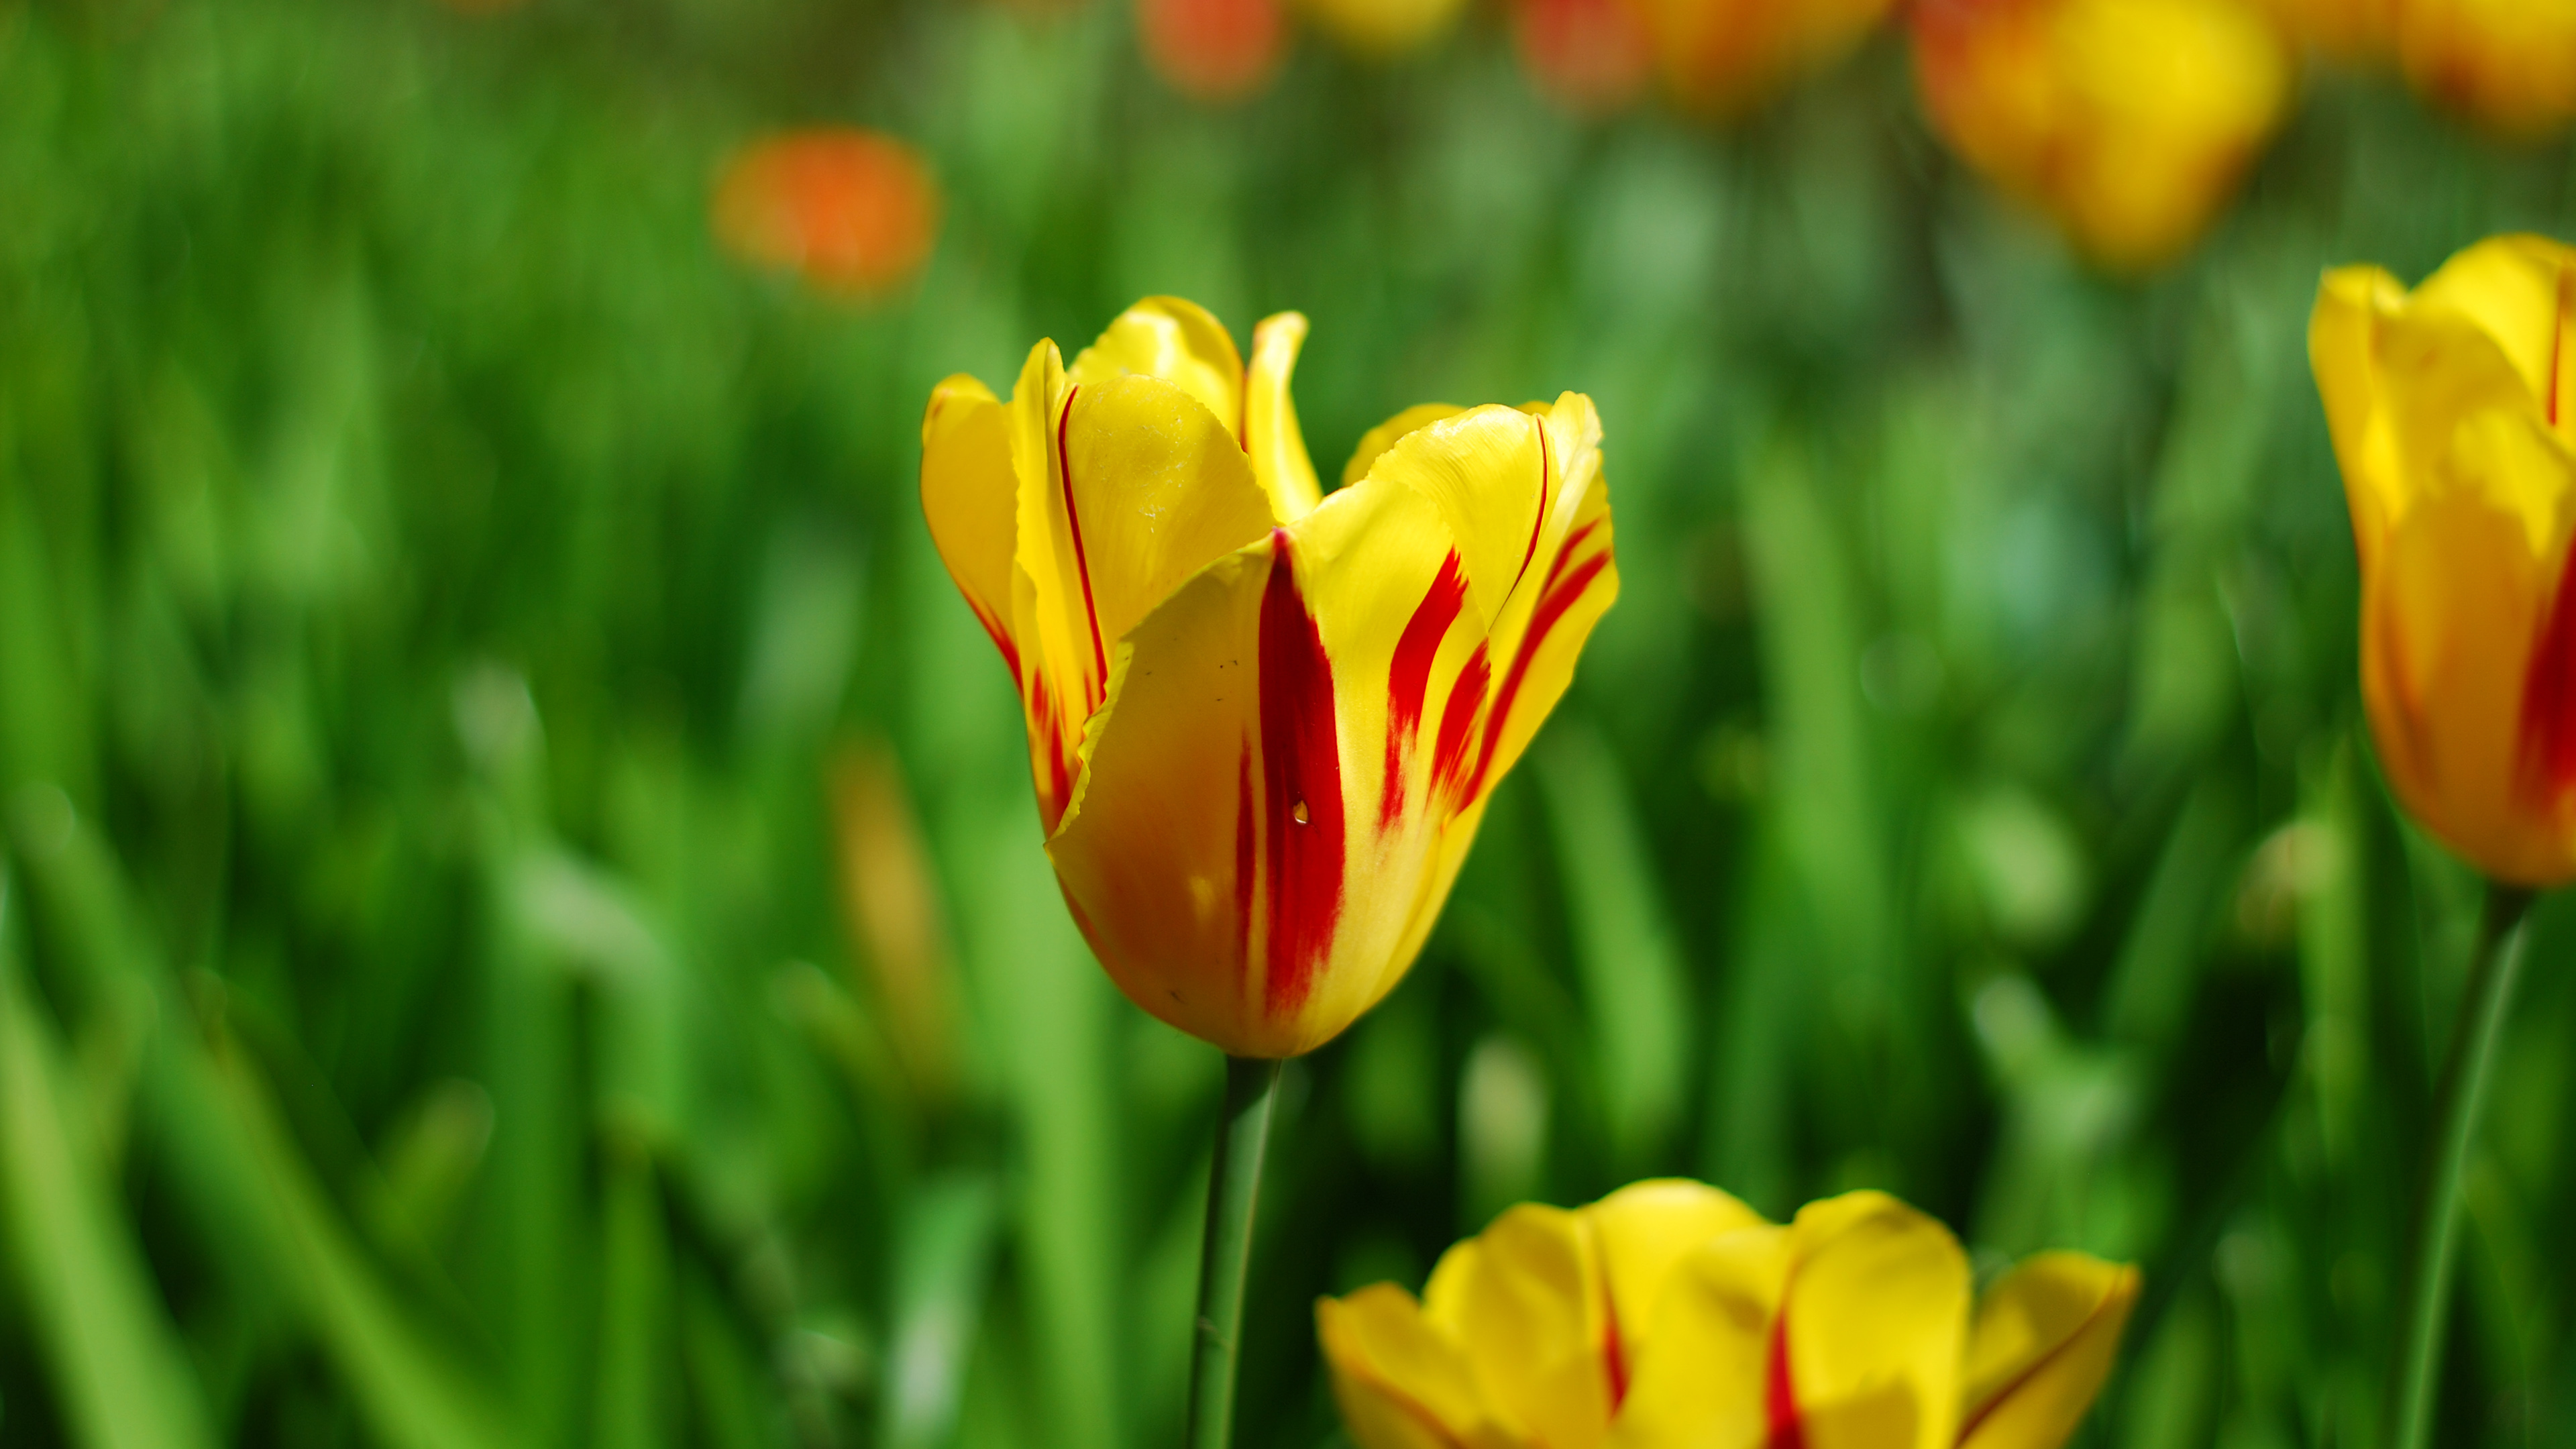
<point x="1263" y="722"/>
<point x="1383" y="29"/>
<point x="1589" y="56"/>
<point x="2508" y="64"/>
<point x="1720" y="58"/>
<point x="853" y="212"/>
<point x="1668" y="1314"/>
<point x="1213" y="50"/>
<point x="2128" y="121"/>
<point x="2453" y="410"/>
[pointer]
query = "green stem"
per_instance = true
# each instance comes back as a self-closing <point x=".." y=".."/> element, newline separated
<point x="1234" y="1189"/>
<point x="2462" y="1093"/>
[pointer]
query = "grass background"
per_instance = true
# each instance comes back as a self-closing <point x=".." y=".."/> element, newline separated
<point x="523" y="919"/>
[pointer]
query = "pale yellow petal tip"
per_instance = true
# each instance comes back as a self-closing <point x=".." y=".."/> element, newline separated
<point x="953" y="390"/>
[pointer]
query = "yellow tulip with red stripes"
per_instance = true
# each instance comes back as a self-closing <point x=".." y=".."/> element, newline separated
<point x="1668" y="1315"/>
<point x="1263" y="721"/>
<point x="2453" y="410"/>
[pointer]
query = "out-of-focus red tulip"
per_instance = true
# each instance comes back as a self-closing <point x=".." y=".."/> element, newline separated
<point x="853" y="212"/>
<point x="1213" y="50"/>
<point x="1589" y="56"/>
<point x="1722" y="58"/>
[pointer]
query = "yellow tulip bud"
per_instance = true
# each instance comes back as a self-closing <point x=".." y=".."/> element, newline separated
<point x="2128" y="121"/>
<point x="1720" y="58"/>
<point x="2453" y="409"/>
<point x="1263" y="722"/>
<point x="2509" y="64"/>
<point x="1385" y="28"/>
<point x="1669" y="1313"/>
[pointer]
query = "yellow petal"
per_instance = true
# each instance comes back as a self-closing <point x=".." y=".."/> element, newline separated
<point x="1645" y="1230"/>
<point x="1231" y="854"/>
<point x="1270" y="433"/>
<point x="1876" y="1320"/>
<point x="1375" y="442"/>
<point x="2045" y="1339"/>
<point x="1701" y="1380"/>
<point x="969" y="494"/>
<point x="2449" y="623"/>
<point x="1178" y="341"/>
<point x="1135" y="488"/>
<point x="2509" y="64"/>
<point x="2343" y="347"/>
<point x="2520" y="291"/>
<point x="1400" y="1383"/>
<point x="1526" y="1301"/>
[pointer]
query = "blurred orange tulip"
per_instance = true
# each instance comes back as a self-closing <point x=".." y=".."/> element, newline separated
<point x="2510" y="65"/>
<point x="1589" y="56"/>
<point x="2128" y="121"/>
<point x="2453" y="409"/>
<point x="1213" y="50"/>
<point x="1720" y="58"/>
<point x="1384" y="28"/>
<point x="854" y="212"/>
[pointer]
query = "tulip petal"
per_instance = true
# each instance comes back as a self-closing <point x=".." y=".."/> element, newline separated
<point x="1701" y="1377"/>
<point x="1521" y="489"/>
<point x="1178" y="341"/>
<point x="1525" y="1299"/>
<point x="1235" y="780"/>
<point x="1401" y="1383"/>
<point x="969" y="495"/>
<point x="1375" y="442"/>
<point x="1270" y="433"/>
<point x="2044" y="1341"/>
<point x="2343" y="352"/>
<point x="2450" y="624"/>
<point x="1135" y="487"/>
<point x="1645" y="1230"/>
<point x="1875" y="1321"/>
<point x="2516" y="290"/>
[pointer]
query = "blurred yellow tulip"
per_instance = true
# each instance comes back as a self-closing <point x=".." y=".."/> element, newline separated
<point x="1719" y="58"/>
<point x="1385" y="28"/>
<point x="2508" y="64"/>
<point x="2348" y="29"/>
<point x="2128" y="121"/>
<point x="1263" y="722"/>
<point x="2453" y="410"/>
<point x="1669" y="1315"/>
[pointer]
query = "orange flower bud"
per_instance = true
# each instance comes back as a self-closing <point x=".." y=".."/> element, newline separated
<point x="1213" y="50"/>
<point x="2508" y="64"/>
<point x="1720" y="58"/>
<point x="2128" y="121"/>
<point x="1589" y="56"/>
<point x="853" y="212"/>
<point x="2453" y="409"/>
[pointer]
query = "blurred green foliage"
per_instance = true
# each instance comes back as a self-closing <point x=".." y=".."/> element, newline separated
<point x="455" y="980"/>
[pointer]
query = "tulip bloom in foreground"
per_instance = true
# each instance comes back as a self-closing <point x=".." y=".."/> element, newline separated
<point x="1263" y="722"/>
<point x="1669" y="1314"/>
<point x="2127" y="121"/>
<point x="2453" y="409"/>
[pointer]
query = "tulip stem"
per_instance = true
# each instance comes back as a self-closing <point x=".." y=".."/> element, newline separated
<point x="2475" y="1035"/>
<point x="1225" y="1255"/>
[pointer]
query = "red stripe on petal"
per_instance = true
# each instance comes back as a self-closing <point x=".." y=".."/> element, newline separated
<point x="2549" y="700"/>
<point x="1001" y="638"/>
<point x="1614" y="1359"/>
<point x="1457" y="727"/>
<point x="1301" y="767"/>
<point x="1780" y="1391"/>
<point x="1081" y="565"/>
<point x="1552" y="607"/>
<point x="1538" y="525"/>
<point x="1409" y="677"/>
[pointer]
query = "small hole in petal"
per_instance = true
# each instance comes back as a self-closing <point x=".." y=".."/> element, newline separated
<point x="1298" y="812"/>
